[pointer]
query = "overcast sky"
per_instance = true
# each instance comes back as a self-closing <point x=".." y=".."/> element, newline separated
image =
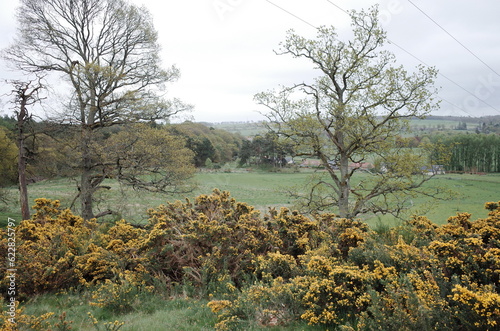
<point x="225" y="48"/>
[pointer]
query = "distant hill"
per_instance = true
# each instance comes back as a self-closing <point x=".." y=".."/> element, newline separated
<point x="246" y="129"/>
<point x="443" y="123"/>
<point x="431" y="123"/>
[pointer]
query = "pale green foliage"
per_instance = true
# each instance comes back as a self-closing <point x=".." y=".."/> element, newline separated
<point x="353" y="113"/>
<point x="108" y="53"/>
<point x="151" y="159"/>
<point x="8" y="160"/>
<point x="106" y="50"/>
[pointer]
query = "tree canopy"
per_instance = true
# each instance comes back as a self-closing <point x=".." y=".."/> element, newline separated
<point x="220" y="146"/>
<point x="108" y="53"/>
<point x="351" y="114"/>
<point x="8" y="150"/>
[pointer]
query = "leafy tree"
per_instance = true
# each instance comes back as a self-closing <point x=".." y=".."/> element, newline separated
<point x="352" y="113"/>
<point x="137" y="155"/>
<point x="266" y="149"/>
<point x="220" y="146"/>
<point x="8" y="150"/>
<point x="208" y="163"/>
<point x="471" y="152"/>
<point x="53" y="151"/>
<point x="150" y="159"/>
<point x="245" y="152"/>
<point x="107" y="51"/>
<point x="202" y="148"/>
<point x="8" y="122"/>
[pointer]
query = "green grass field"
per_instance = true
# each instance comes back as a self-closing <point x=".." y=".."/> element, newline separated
<point x="263" y="190"/>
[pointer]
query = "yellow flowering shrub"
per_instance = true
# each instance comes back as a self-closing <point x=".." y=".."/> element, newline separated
<point x="108" y="326"/>
<point x="276" y="265"/>
<point x="297" y="232"/>
<point x="213" y="235"/>
<point x="422" y="230"/>
<point x="269" y="271"/>
<point x="58" y="250"/>
<point x="477" y="307"/>
<point x="409" y="302"/>
<point x="225" y="319"/>
<point x="347" y="233"/>
<point x="350" y="238"/>
<point x="120" y="295"/>
<point x="492" y="265"/>
<point x="427" y="289"/>
<point x="466" y="247"/>
<point x="332" y="293"/>
<point x="266" y="304"/>
<point x="47" y="246"/>
<point x="368" y="283"/>
<point x="218" y="305"/>
<point x="492" y="206"/>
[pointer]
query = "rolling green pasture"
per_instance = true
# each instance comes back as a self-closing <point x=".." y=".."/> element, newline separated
<point x="431" y="123"/>
<point x="246" y="129"/>
<point x="263" y="190"/>
<point x="443" y="124"/>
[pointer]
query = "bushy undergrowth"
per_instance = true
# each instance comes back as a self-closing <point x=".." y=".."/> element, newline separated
<point x="269" y="270"/>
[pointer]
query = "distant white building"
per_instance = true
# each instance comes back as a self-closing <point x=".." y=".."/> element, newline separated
<point x="434" y="170"/>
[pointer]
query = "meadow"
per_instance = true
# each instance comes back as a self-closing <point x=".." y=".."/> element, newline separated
<point x="263" y="190"/>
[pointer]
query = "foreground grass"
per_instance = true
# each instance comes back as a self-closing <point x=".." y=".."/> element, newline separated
<point x="263" y="190"/>
<point x="153" y="314"/>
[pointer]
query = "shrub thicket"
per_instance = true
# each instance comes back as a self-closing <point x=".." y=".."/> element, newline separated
<point x="271" y="270"/>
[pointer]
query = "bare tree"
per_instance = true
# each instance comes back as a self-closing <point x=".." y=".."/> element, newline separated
<point x="25" y="94"/>
<point x="351" y="114"/>
<point x="107" y="51"/>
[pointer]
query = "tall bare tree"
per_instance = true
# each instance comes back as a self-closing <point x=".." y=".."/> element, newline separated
<point x="25" y="94"/>
<point x="353" y="113"/>
<point x="107" y="51"/>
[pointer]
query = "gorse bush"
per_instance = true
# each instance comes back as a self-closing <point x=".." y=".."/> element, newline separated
<point x="213" y="236"/>
<point x="58" y="250"/>
<point x="417" y="276"/>
<point x="271" y="270"/>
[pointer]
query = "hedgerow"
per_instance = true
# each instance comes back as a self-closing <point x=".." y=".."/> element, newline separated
<point x="272" y="269"/>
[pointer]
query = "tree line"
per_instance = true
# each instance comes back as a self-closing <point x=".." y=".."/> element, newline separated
<point x="146" y="156"/>
<point x="471" y="152"/>
<point x="51" y="149"/>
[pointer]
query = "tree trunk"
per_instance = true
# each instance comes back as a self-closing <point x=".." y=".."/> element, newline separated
<point x="86" y="195"/>
<point x="344" y="188"/>
<point x="86" y="189"/>
<point x="22" y="160"/>
<point x="21" y="168"/>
